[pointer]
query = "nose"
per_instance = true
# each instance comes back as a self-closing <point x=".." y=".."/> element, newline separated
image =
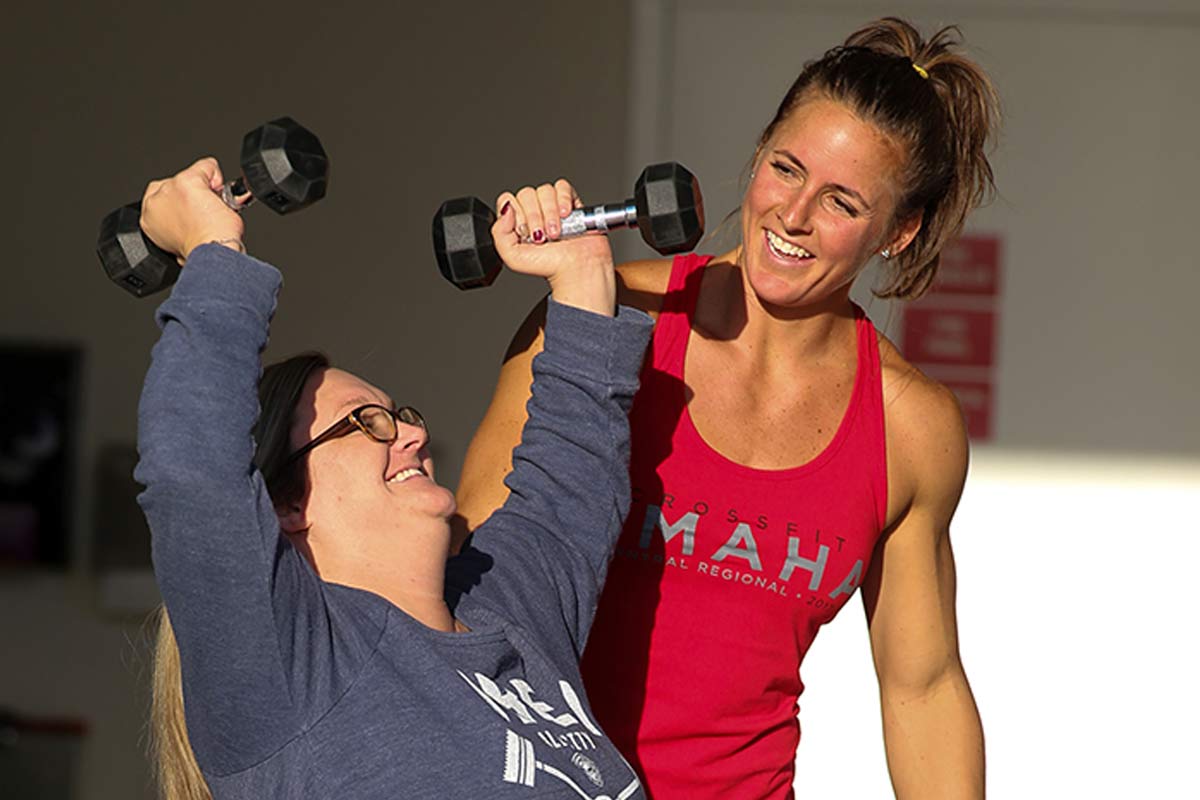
<point x="796" y="211"/>
<point x="410" y="438"/>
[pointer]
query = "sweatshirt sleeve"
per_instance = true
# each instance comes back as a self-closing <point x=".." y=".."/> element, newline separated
<point x="544" y="555"/>
<point x="246" y="610"/>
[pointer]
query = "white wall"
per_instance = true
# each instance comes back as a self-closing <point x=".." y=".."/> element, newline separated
<point x="1078" y="526"/>
<point x="1077" y="632"/>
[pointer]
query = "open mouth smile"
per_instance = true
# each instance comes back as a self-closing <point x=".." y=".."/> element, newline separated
<point x="784" y="249"/>
<point x="405" y="474"/>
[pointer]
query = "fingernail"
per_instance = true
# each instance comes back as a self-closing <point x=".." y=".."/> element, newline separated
<point x="504" y="210"/>
<point x="538" y="236"/>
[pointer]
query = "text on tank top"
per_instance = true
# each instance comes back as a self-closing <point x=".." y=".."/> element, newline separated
<point x="722" y="576"/>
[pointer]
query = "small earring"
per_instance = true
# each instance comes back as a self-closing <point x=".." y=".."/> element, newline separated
<point x="886" y="253"/>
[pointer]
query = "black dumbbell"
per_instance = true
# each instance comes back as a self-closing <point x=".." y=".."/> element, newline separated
<point x="666" y="207"/>
<point x="283" y="166"/>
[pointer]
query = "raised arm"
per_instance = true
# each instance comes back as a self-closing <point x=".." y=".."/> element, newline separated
<point x="932" y="731"/>
<point x="547" y="548"/>
<point x="580" y="273"/>
<point x="566" y="484"/>
<point x="217" y="554"/>
<point x="481" y="488"/>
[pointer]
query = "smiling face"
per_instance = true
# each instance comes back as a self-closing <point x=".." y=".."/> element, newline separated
<point x="361" y="490"/>
<point x="820" y="204"/>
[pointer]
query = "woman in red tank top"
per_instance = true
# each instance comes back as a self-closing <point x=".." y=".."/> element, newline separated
<point x="784" y="454"/>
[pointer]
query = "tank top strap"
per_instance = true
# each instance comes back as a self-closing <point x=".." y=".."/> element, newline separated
<point x="683" y="287"/>
<point x="678" y="307"/>
<point x="871" y="412"/>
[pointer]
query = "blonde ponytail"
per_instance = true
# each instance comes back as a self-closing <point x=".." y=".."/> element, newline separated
<point x="176" y="771"/>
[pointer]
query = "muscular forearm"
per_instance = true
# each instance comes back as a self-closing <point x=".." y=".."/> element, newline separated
<point x="934" y="741"/>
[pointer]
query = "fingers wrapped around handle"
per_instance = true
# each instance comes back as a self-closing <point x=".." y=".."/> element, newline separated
<point x="186" y="210"/>
<point x="527" y="238"/>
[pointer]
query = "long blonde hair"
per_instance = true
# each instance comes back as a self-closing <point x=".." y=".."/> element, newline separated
<point x="175" y="769"/>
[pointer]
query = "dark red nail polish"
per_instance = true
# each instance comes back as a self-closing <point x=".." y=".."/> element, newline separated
<point x="507" y="206"/>
<point x="538" y="236"/>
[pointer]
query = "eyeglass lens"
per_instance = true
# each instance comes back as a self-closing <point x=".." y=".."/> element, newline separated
<point x="381" y="424"/>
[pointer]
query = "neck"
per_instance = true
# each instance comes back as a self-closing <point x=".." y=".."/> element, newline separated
<point x="419" y="590"/>
<point x="730" y="309"/>
<point x="410" y="574"/>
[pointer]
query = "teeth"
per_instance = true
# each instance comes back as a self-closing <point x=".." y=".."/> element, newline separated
<point x="405" y="474"/>
<point x="785" y="247"/>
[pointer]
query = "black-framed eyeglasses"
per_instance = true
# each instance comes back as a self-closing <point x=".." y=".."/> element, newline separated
<point x="378" y="422"/>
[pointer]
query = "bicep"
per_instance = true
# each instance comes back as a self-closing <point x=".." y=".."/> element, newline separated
<point x="488" y="461"/>
<point x="909" y="599"/>
<point x="909" y="592"/>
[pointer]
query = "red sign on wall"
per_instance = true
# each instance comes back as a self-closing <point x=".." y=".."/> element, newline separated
<point x="971" y="266"/>
<point x="949" y="336"/>
<point x="951" y="332"/>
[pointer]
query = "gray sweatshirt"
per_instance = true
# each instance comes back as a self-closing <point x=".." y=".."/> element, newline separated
<point x="299" y="688"/>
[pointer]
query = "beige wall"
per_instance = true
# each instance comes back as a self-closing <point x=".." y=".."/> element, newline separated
<point x="412" y="106"/>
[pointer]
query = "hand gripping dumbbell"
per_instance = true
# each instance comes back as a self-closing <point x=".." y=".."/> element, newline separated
<point x="283" y="166"/>
<point x="666" y="207"/>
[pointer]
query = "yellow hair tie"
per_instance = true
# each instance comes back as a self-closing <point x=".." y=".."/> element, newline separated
<point x="921" y="71"/>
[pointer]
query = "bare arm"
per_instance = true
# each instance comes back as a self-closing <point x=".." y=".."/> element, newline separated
<point x="932" y="730"/>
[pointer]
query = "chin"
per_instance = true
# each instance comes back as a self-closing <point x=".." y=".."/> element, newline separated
<point x="429" y="501"/>
<point x="774" y="289"/>
<point x="447" y="506"/>
<point x="797" y="290"/>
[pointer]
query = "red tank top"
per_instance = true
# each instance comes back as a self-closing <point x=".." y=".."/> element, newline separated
<point x="722" y="576"/>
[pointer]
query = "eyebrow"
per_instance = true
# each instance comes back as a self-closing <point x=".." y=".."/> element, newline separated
<point x="839" y="187"/>
<point x="356" y="401"/>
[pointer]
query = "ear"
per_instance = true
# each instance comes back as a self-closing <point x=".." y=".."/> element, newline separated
<point x="905" y="232"/>
<point x="292" y="518"/>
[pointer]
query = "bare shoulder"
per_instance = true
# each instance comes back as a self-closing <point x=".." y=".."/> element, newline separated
<point x="642" y="284"/>
<point x="926" y="433"/>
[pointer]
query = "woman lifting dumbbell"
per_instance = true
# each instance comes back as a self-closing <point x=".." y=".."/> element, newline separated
<point x="326" y="647"/>
<point x="785" y="454"/>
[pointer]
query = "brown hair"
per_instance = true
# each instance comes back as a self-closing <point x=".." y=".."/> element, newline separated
<point x="176" y="770"/>
<point x="943" y="114"/>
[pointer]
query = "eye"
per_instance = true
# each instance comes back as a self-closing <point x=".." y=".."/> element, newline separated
<point x="845" y="207"/>
<point x="378" y="421"/>
<point x="783" y="168"/>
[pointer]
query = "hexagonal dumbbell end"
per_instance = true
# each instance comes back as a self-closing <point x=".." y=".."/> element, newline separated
<point x="462" y="242"/>
<point x="284" y="165"/>
<point x="670" y="210"/>
<point x="132" y="261"/>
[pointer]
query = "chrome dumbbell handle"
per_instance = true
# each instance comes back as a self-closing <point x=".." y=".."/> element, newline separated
<point x="236" y="195"/>
<point x="600" y="218"/>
